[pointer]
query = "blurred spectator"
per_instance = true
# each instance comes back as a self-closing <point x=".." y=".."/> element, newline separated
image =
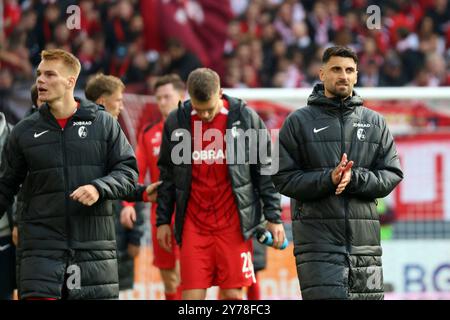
<point x="15" y="56"/>
<point x="46" y="23"/>
<point x="392" y="74"/>
<point x="6" y="83"/>
<point x="139" y="69"/>
<point x="117" y="29"/>
<point x="436" y="66"/>
<point x="266" y="43"/>
<point x="319" y="24"/>
<point x="302" y="40"/>
<point x="250" y="25"/>
<point x="28" y="24"/>
<point x="182" y="62"/>
<point x="90" y="18"/>
<point x="370" y="76"/>
<point x="11" y="16"/>
<point x="423" y="78"/>
<point x="61" y="36"/>
<point x="440" y="15"/>
<point x="289" y="13"/>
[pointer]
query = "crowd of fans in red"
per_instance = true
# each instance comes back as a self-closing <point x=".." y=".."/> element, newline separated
<point x="270" y="43"/>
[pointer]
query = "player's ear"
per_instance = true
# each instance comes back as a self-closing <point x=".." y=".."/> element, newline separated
<point x="322" y="74"/>
<point x="71" y="82"/>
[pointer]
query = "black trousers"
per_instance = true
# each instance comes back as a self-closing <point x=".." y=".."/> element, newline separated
<point x="7" y="268"/>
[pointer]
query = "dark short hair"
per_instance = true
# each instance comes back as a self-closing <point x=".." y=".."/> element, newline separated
<point x="202" y="83"/>
<point x="339" y="51"/>
<point x="34" y="95"/>
<point x="172" y="78"/>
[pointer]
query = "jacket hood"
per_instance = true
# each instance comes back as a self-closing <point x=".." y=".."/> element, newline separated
<point x="86" y="111"/>
<point x="318" y="98"/>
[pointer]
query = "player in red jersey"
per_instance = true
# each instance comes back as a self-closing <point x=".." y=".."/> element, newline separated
<point x="218" y="204"/>
<point x="169" y="91"/>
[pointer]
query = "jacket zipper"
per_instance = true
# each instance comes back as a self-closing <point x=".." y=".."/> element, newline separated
<point x="184" y="122"/>
<point x="66" y="187"/>
<point x="229" y="125"/>
<point x="344" y="200"/>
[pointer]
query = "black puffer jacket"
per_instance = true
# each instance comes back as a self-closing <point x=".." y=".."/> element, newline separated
<point x="6" y="220"/>
<point x="54" y="231"/>
<point x="337" y="238"/>
<point x="250" y="187"/>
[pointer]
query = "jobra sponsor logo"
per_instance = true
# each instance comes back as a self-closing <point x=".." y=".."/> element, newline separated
<point x="82" y="123"/>
<point x="361" y="125"/>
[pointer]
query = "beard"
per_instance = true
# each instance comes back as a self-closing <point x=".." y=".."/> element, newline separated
<point x="341" y="92"/>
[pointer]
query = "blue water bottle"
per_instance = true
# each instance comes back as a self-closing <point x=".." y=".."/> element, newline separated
<point x="265" y="237"/>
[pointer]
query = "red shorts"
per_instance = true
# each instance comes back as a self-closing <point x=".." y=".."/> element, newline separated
<point x="222" y="259"/>
<point x="161" y="258"/>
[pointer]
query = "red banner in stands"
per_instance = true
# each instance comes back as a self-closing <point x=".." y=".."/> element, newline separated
<point x="200" y="25"/>
<point x="424" y="194"/>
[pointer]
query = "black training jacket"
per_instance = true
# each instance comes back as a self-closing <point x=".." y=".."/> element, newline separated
<point x="54" y="231"/>
<point x="249" y="186"/>
<point x="312" y="141"/>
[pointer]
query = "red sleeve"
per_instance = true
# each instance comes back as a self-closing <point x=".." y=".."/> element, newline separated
<point x="145" y="197"/>
<point x="142" y="162"/>
<point x="141" y="157"/>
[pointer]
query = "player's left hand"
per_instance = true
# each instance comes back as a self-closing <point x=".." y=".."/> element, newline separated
<point x="128" y="217"/>
<point x="87" y="195"/>
<point x="345" y="179"/>
<point x="278" y="233"/>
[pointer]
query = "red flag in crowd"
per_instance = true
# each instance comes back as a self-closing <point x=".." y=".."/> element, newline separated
<point x="200" y="25"/>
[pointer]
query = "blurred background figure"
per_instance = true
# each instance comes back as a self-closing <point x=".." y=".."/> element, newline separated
<point x="7" y="247"/>
<point x="107" y="91"/>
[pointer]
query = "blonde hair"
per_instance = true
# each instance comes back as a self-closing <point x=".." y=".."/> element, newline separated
<point x="101" y="84"/>
<point x="68" y="59"/>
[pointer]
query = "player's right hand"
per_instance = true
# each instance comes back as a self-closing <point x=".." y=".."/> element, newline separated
<point x="278" y="234"/>
<point x="87" y="195"/>
<point x="164" y="237"/>
<point x="128" y="217"/>
<point x="342" y="167"/>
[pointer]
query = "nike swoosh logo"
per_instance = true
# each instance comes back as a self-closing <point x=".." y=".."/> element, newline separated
<point x="37" y="135"/>
<point x="318" y="130"/>
<point x="6" y="246"/>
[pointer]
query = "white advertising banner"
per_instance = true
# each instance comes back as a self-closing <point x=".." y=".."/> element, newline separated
<point x="417" y="269"/>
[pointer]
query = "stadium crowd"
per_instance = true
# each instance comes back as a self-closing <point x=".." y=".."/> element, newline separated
<point x="262" y="43"/>
<point x="266" y="43"/>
